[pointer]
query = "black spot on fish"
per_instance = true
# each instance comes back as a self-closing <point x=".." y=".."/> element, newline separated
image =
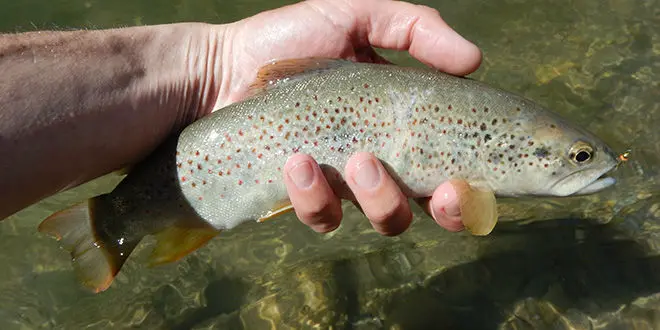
<point x="487" y="138"/>
<point x="541" y="152"/>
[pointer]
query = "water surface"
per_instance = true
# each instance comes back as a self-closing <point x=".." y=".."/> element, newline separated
<point x="577" y="263"/>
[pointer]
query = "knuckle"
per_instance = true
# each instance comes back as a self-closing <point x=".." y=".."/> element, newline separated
<point x="386" y="214"/>
<point x="324" y="214"/>
<point x="428" y="10"/>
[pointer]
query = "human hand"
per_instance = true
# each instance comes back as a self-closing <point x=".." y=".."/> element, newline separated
<point x="347" y="29"/>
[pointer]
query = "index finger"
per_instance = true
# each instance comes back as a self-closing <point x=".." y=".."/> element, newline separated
<point x="418" y="29"/>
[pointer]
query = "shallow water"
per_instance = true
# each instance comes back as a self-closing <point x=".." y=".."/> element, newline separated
<point x="583" y="263"/>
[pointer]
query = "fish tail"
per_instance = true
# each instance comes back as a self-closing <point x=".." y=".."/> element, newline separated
<point x="96" y="261"/>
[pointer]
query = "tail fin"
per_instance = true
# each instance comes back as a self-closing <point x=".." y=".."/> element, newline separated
<point x="96" y="263"/>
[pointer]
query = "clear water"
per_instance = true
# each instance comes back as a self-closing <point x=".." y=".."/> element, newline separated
<point x="578" y="263"/>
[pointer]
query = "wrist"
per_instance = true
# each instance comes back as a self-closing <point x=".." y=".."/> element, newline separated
<point x="183" y="63"/>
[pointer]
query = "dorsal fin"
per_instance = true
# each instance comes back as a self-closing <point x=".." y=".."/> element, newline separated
<point x="279" y="71"/>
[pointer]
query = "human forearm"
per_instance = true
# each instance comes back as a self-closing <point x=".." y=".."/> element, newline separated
<point x="76" y="105"/>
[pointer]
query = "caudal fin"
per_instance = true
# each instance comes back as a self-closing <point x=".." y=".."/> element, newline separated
<point x="96" y="263"/>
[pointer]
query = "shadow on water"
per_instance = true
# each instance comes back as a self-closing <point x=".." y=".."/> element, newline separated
<point x="223" y="296"/>
<point x="590" y="274"/>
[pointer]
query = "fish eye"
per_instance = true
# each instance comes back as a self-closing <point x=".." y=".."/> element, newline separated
<point x="581" y="153"/>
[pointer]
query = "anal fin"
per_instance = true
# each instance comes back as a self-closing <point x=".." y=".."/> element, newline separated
<point x="277" y="210"/>
<point x="176" y="242"/>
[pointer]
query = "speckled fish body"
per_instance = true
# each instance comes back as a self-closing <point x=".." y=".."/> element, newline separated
<point x="425" y="126"/>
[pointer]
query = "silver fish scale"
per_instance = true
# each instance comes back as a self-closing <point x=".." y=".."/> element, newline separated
<point x="426" y="126"/>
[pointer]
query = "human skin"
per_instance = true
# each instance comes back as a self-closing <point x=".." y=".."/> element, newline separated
<point x="76" y="105"/>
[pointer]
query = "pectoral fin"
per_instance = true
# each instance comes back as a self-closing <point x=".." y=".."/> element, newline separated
<point x="176" y="242"/>
<point x="478" y="208"/>
<point x="277" y="210"/>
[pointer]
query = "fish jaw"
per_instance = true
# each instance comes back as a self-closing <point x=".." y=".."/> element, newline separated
<point x="583" y="182"/>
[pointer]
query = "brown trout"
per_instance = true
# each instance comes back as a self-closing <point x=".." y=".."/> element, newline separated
<point x="425" y="126"/>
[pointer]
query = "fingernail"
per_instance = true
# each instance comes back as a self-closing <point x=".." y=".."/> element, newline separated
<point x="302" y="175"/>
<point x="448" y="198"/>
<point x="367" y="175"/>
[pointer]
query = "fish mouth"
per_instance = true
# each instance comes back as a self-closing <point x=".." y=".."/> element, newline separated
<point x="590" y="182"/>
<point x="604" y="181"/>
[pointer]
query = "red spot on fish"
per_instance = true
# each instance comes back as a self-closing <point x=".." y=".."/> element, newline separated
<point x="316" y="144"/>
<point x="219" y="161"/>
<point x="286" y="120"/>
<point x="199" y="198"/>
<point x="256" y="181"/>
<point x="199" y="166"/>
<point x="238" y="165"/>
<point x="270" y="181"/>
<point x="279" y="128"/>
<point x="449" y="107"/>
<point x="210" y="171"/>
<point x="249" y="165"/>
<point x="220" y="173"/>
<point x="240" y="182"/>
<point x="240" y="132"/>
<point x="183" y="179"/>
<point x="228" y="157"/>
<point x="260" y="155"/>
<point x="460" y="121"/>
<point x="297" y="104"/>
<point x="361" y="99"/>
<point x="189" y="162"/>
<point x="366" y="85"/>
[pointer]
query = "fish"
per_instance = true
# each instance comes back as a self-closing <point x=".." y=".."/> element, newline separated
<point x="425" y="126"/>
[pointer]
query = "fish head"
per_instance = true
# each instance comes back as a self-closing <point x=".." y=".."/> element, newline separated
<point x="552" y="158"/>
